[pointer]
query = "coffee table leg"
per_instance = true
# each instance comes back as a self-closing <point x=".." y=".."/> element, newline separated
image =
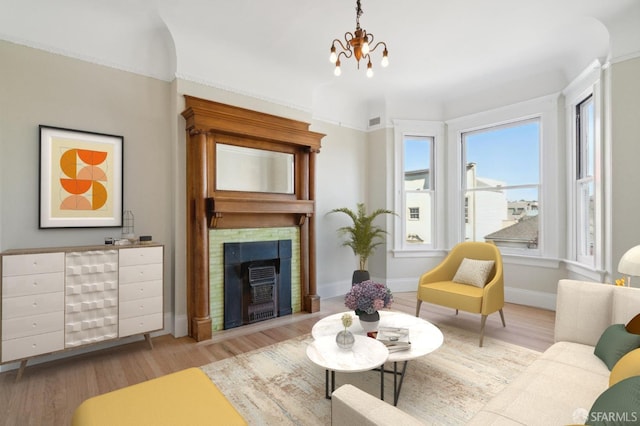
<point x="329" y="382"/>
<point x="326" y="384"/>
<point x="397" y="387"/>
<point x="382" y="382"/>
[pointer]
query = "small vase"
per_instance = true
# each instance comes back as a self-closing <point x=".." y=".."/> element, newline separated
<point x="345" y="339"/>
<point x="369" y="322"/>
<point x="360" y="275"/>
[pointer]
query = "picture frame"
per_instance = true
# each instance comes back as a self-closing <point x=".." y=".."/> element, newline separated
<point x="81" y="179"/>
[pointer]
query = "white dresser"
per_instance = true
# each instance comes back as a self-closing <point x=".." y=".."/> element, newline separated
<point x="61" y="298"/>
<point x="32" y="305"/>
<point x="140" y="286"/>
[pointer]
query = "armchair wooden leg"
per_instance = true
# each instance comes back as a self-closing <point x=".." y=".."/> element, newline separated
<point x="456" y="312"/>
<point x="502" y="318"/>
<point x="418" y="307"/>
<point x="483" y="321"/>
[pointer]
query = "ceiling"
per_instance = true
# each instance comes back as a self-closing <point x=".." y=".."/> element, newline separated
<point x="278" y="49"/>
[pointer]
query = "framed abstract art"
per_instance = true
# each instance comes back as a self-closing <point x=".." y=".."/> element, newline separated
<point x="80" y="179"/>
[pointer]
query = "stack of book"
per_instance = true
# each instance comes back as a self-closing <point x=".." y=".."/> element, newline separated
<point x="394" y="338"/>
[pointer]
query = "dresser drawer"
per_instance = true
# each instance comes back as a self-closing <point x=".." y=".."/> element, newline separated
<point x="30" y="326"/>
<point x="26" y="347"/>
<point x="139" y="273"/>
<point x="23" y="285"/>
<point x="26" y="306"/>
<point x="141" y="324"/>
<point x="136" y="308"/>
<point x="141" y="256"/>
<point x="28" y="264"/>
<point x="142" y="290"/>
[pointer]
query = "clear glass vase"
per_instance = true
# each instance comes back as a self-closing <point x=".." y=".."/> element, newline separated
<point x="345" y="339"/>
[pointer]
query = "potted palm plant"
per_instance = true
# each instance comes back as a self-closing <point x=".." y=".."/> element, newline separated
<point x="362" y="236"/>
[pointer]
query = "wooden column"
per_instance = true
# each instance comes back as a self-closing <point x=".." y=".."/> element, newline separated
<point x="197" y="237"/>
<point x="312" y="302"/>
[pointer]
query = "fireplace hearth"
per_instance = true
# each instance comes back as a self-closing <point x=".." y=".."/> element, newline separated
<point x="257" y="281"/>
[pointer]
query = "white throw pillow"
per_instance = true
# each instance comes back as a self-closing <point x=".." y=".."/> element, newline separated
<point x="474" y="272"/>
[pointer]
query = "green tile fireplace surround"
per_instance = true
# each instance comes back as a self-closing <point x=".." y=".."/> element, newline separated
<point x="217" y="238"/>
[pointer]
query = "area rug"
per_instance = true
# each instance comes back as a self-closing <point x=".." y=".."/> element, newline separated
<point x="280" y="385"/>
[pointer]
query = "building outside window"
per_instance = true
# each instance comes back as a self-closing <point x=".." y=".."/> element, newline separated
<point x="501" y="184"/>
<point x="414" y="213"/>
<point x="418" y="189"/>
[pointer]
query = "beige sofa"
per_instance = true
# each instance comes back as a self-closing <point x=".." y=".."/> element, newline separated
<point x="559" y="388"/>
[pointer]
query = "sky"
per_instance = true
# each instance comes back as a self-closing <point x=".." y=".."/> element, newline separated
<point x="509" y="154"/>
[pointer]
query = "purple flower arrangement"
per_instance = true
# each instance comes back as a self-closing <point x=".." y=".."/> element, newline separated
<point x="368" y="297"/>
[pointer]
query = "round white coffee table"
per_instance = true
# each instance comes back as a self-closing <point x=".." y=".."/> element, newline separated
<point x="366" y="354"/>
<point x="424" y="336"/>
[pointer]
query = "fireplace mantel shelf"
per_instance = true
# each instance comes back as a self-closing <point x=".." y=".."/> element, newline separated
<point x="220" y="206"/>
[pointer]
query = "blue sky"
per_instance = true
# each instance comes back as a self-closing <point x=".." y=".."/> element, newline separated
<point x="509" y="154"/>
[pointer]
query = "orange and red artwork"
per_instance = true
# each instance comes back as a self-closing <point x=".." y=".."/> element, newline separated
<point x="80" y="179"/>
<point x="84" y="180"/>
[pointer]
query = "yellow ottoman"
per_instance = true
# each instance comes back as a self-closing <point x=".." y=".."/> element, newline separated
<point x="187" y="397"/>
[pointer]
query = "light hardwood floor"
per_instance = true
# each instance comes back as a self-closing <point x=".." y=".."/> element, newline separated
<point x="48" y="393"/>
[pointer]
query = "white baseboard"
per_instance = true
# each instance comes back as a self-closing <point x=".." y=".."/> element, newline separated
<point x="334" y="289"/>
<point x="537" y="299"/>
<point x="180" y="326"/>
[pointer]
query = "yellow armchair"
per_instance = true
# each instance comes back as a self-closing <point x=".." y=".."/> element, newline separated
<point x="437" y="286"/>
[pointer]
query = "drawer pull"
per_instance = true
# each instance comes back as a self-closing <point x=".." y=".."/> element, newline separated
<point x="34" y="325"/>
<point x="35" y="304"/>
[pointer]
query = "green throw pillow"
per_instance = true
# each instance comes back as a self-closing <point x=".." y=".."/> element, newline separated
<point x="614" y="343"/>
<point x="618" y="405"/>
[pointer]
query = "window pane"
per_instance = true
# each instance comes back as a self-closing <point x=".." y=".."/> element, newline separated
<point x="586" y="139"/>
<point x="418" y="189"/>
<point x="503" y="156"/>
<point x="418" y="217"/>
<point x="509" y="218"/>
<point x="417" y="163"/>
<point x="586" y="218"/>
<point x="502" y="177"/>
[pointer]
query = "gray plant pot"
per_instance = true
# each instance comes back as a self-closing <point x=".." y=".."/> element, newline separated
<point x="359" y="276"/>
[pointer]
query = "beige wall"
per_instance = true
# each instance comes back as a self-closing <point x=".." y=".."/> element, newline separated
<point x="625" y="150"/>
<point x="42" y="88"/>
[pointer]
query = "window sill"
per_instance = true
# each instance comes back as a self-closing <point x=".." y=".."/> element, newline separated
<point x="585" y="270"/>
<point x="541" y="262"/>
<point x="419" y="253"/>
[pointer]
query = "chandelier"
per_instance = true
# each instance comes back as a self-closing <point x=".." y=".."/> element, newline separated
<point x="357" y="44"/>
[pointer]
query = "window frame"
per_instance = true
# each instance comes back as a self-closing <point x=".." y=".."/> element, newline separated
<point x="418" y="129"/>
<point x="465" y="189"/>
<point x="587" y="85"/>
<point x="551" y="220"/>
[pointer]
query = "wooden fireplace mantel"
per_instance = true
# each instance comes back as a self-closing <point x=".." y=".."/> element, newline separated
<point x="209" y="123"/>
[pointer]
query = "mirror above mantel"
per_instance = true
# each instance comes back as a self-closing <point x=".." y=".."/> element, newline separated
<point x="240" y="168"/>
